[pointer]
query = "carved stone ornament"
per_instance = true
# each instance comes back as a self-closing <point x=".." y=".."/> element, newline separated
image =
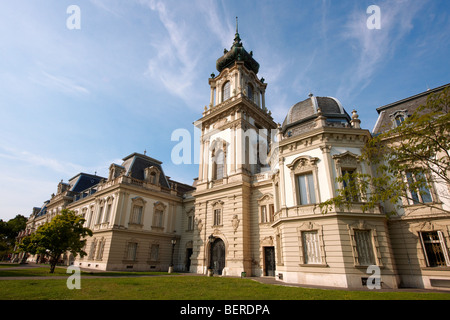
<point x="267" y="241"/>
<point x="235" y="222"/>
<point x="303" y="164"/>
<point x="346" y="159"/>
<point x="199" y="225"/>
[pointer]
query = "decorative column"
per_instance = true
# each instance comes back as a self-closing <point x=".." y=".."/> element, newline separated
<point x="200" y="167"/>
<point x="233" y="150"/>
<point x="330" y="171"/>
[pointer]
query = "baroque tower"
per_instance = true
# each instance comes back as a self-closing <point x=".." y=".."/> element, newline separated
<point x="236" y="131"/>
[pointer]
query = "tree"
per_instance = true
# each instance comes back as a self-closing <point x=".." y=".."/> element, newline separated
<point x="8" y="233"/>
<point x="406" y="161"/>
<point x="64" y="233"/>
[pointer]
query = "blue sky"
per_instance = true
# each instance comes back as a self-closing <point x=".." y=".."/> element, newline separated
<point x="78" y="100"/>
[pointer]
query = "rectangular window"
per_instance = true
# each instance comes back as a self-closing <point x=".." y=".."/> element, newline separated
<point x="311" y="247"/>
<point x="271" y="212"/>
<point x="434" y="248"/>
<point x="364" y="247"/>
<point x="154" y="252"/>
<point x="108" y="213"/>
<point x="91" y="214"/>
<point x="92" y="251"/>
<point x="219" y="165"/>
<point x="226" y="91"/>
<point x="264" y="214"/>
<point x="306" y="189"/>
<point x="217" y="217"/>
<point x="131" y="251"/>
<point x="419" y="192"/>
<point x="100" y="215"/>
<point x="190" y="223"/>
<point x="158" y="219"/>
<point x="101" y="246"/>
<point x="136" y="216"/>
<point x="349" y="185"/>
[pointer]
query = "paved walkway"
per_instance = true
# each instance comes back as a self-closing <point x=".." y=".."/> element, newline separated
<point x="263" y="280"/>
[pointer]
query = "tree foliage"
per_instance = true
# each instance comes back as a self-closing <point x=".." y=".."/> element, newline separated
<point x="406" y="162"/>
<point x="64" y="233"/>
<point x="8" y="233"/>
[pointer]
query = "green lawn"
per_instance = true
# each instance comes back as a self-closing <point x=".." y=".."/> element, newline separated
<point x="60" y="271"/>
<point x="177" y="287"/>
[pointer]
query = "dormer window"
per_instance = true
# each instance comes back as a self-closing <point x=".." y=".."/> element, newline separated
<point x="151" y="175"/>
<point x="398" y="117"/>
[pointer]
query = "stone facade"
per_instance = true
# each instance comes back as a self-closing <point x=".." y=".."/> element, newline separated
<point x="253" y="208"/>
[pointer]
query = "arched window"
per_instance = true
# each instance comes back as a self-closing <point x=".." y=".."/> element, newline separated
<point x="226" y="91"/>
<point x="158" y="215"/>
<point x="399" y="119"/>
<point x="218" y="164"/>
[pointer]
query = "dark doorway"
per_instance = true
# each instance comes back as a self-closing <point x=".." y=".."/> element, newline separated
<point x="269" y="261"/>
<point x="188" y="258"/>
<point x="218" y="256"/>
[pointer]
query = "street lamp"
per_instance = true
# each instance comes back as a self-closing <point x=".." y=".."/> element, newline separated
<point x="211" y="239"/>
<point x="174" y="242"/>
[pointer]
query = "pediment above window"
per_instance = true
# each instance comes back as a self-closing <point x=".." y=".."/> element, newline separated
<point x="303" y="164"/>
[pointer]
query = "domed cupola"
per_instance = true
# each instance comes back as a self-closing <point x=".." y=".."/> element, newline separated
<point x="237" y="53"/>
<point x="303" y="116"/>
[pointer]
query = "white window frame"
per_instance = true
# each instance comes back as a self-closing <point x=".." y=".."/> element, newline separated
<point x="442" y="244"/>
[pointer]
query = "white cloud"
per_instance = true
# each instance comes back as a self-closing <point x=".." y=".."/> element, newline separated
<point x="374" y="47"/>
<point x="175" y="61"/>
<point x="59" y="83"/>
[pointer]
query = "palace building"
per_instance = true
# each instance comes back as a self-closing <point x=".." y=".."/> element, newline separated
<point x="253" y="208"/>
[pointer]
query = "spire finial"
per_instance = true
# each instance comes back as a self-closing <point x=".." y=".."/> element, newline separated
<point x="237" y="39"/>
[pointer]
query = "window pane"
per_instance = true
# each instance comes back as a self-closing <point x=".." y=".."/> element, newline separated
<point x="250" y="92"/>
<point x="154" y="254"/>
<point x="364" y="247"/>
<point x="217" y="217"/>
<point x="131" y="254"/>
<point x="424" y="191"/>
<point x="306" y="188"/>
<point x="263" y="214"/>
<point x="312" y="193"/>
<point x="226" y="91"/>
<point x="433" y="249"/>
<point x="399" y="119"/>
<point x="302" y="189"/>
<point x="219" y="165"/>
<point x="311" y="247"/>
<point x="137" y="214"/>
<point x="413" y="191"/>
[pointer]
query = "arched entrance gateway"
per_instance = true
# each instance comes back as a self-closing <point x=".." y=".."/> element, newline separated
<point x="217" y="256"/>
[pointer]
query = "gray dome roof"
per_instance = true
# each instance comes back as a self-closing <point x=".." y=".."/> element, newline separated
<point x="307" y="110"/>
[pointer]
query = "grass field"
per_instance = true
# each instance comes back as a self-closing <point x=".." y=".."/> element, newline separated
<point x="173" y="287"/>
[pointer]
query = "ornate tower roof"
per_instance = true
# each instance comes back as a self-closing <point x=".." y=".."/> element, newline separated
<point x="237" y="53"/>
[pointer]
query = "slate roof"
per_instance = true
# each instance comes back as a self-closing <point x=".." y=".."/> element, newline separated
<point x="307" y="110"/>
<point x="83" y="181"/>
<point x="42" y="211"/>
<point x="135" y="164"/>
<point x="410" y="104"/>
